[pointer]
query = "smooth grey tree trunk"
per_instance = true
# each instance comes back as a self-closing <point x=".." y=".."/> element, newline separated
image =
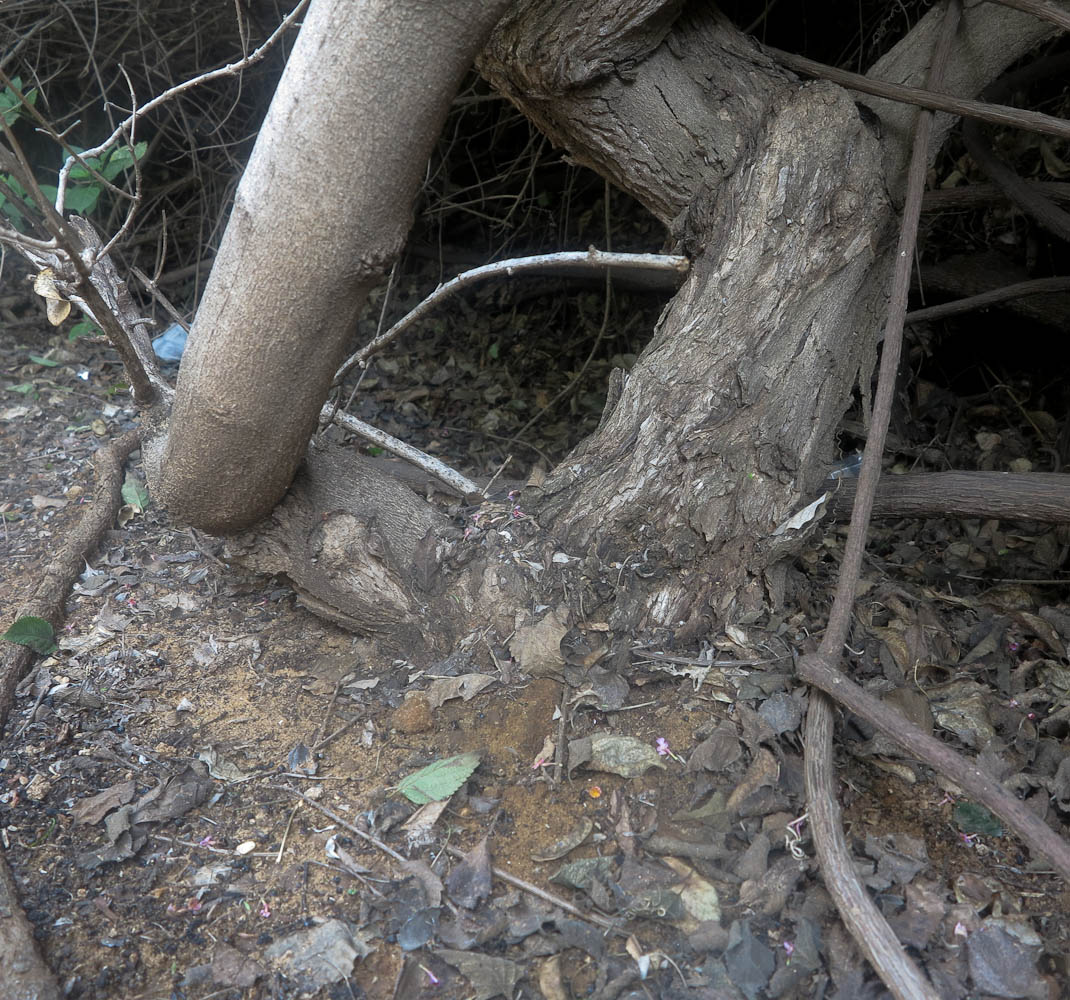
<point x="320" y="215"/>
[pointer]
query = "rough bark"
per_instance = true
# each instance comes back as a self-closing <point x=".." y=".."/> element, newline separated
<point x="706" y="451"/>
<point x="669" y="511"/>
<point x="321" y="211"/>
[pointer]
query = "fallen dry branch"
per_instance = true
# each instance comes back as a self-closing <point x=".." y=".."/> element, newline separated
<point x="867" y="925"/>
<point x="1035" y="496"/>
<point x="1020" y="289"/>
<point x="51" y="592"/>
<point x="22" y="970"/>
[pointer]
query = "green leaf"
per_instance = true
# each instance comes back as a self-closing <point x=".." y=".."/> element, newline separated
<point x="33" y="632"/>
<point x="10" y="106"/>
<point x="47" y="362"/>
<point x="84" y="328"/>
<point x="970" y="817"/>
<point x="111" y="164"/>
<point x="23" y="388"/>
<point x="82" y="199"/>
<point x="440" y="780"/>
<point x="10" y="206"/>
<point x="136" y="494"/>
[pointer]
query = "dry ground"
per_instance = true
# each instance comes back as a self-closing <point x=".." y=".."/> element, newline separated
<point x="149" y="774"/>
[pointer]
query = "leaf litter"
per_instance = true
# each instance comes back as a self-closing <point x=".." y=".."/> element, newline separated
<point x="689" y="870"/>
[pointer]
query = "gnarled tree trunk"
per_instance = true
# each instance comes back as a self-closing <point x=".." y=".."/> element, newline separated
<point x="668" y="515"/>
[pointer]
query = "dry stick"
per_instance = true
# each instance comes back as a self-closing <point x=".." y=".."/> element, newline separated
<point x="431" y="465"/>
<point x="976" y="194"/>
<point x="1039" y="286"/>
<point x="1031" y="496"/>
<point x="865" y="922"/>
<point x="505" y="876"/>
<point x="24" y="972"/>
<point x="51" y="591"/>
<point x="995" y="114"/>
<point x="570" y="261"/>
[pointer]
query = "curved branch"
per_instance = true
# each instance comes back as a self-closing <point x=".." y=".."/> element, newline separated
<point x="569" y="262"/>
<point x="1035" y="833"/>
<point x="865" y="922"/>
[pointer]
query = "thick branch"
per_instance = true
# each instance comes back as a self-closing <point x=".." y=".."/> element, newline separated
<point x="1036" y="496"/>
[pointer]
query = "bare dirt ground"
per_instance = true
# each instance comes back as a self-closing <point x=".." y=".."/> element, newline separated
<point x="189" y="784"/>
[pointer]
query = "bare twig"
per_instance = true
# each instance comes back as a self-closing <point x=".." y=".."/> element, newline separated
<point x="431" y="465"/>
<point x="572" y="261"/>
<point x="995" y="114"/>
<point x="135" y="197"/>
<point x="977" y="194"/>
<point x="151" y="286"/>
<point x="505" y="876"/>
<point x="1039" y="286"/>
<point x="231" y="69"/>
<point x="865" y="922"/>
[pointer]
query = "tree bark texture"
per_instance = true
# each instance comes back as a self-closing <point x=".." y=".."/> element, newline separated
<point x="320" y="214"/>
<point x="711" y="443"/>
<point x="776" y="191"/>
<point x="667" y="515"/>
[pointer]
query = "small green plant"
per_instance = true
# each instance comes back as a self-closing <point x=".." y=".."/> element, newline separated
<point x="84" y="328"/>
<point x="85" y="183"/>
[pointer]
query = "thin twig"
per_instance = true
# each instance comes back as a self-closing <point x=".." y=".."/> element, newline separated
<point x="505" y="876"/>
<point x="995" y="114"/>
<point x="231" y="69"/>
<point x="865" y="922"/>
<point x="151" y="287"/>
<point x="1020" y="289"/>
<point x="945" y="199"/>
<point x="431" y="465"/>
<point x="571" y="261"/>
